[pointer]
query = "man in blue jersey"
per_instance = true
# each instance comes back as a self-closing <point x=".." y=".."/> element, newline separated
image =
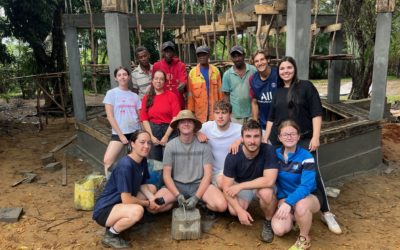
<point x="262" y="85"/>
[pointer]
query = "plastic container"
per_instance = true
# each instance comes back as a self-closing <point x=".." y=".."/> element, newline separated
<point x="87" y="190"/>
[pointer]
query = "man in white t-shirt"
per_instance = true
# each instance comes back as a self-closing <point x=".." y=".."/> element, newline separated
<point x="220" y="135"/>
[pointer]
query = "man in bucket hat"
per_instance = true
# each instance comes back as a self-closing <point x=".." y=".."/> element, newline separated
<point x="187" y="168"/>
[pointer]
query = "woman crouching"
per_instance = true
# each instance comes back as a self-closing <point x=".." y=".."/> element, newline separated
<point x="121" y="203"/>
<point x="296" y="185"/>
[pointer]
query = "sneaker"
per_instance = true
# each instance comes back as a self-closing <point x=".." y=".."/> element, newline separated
<point x="114" y="241"/>
<point x="329" y="219"/>
<point x="301" y="244"/>
<point x="267" y="234"/>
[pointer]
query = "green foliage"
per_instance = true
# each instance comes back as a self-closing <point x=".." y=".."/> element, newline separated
<point x="319" y="69"/>
<point x="394" y="51"/>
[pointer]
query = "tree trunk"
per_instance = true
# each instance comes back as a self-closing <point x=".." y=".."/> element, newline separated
<point x="362" y="80"/>
<point x="58" y="56"/>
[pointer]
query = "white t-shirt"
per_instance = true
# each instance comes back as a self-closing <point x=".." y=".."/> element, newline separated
<point x="220" y="142"/>
<point x="125" y="106"/>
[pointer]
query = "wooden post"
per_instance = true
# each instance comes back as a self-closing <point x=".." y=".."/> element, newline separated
<point x="139" y="28"/>
<point x="214" y="33"/>
<point x="258" y="34"/>
<point x="161" y="27"/>
<point x="233" y="21"/>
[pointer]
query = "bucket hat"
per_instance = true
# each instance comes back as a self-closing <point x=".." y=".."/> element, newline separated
<point x="184" y="115"/>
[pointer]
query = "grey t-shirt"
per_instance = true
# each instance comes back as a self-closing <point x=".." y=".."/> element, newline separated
<point x="187" y="160"/>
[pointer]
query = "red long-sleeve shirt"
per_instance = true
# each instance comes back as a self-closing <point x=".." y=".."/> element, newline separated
<point x="165" y="107"/>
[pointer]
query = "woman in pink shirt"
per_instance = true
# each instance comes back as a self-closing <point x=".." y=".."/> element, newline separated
<point x="159" y="107"/>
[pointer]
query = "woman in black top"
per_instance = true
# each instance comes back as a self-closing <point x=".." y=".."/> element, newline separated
<point x="299" y="100"/>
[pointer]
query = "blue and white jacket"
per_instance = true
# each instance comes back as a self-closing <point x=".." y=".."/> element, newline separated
<point x="296" y="177"/>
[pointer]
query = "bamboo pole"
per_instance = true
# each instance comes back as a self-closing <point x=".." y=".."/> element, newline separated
<point x="214" y="28"/>
<point x="206" y="19"/>
<point x="334" y="33"/>
<point x="233" y="21"/>
<point x="139" y="28"/>
<point x="258" y="33"/>
<point x="161" y="27"/>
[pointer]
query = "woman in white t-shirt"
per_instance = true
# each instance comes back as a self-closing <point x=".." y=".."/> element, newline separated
<point x="122" y="109"/>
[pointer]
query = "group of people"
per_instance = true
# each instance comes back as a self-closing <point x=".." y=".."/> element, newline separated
<point x="251" y="135"/>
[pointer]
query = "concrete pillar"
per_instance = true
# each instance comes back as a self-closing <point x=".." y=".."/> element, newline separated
<point x="298" y="23"/>
<point x="335" y="68"/>
<point x="117" y="34"/>
<point x="379" y="74"/>
<point x="75" y="76"/>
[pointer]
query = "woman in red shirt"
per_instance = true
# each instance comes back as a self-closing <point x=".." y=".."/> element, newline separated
<point x="159" y="107"/>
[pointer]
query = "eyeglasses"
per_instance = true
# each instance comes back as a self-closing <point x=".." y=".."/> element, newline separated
<point x="287" y="135"/>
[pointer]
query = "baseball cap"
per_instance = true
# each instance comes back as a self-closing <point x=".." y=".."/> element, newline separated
<point x="238" y="49"/>
<point x="202" y="49"/>
<point x="168" y="44"/>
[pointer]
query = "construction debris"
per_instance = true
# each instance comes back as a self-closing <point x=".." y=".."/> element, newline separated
<point x="52" y="167"/>
<point x="10" y="215"/>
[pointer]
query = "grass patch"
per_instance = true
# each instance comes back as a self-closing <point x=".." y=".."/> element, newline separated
<point x="393" y="98"/>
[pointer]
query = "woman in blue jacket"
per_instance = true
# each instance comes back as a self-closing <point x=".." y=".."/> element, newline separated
<point x="297" y="188"/>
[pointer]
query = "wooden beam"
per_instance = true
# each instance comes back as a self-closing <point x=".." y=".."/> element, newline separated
<point x="93" y="133"/>
<point x="332" y="28"/>
<point x="264" y="29"/>
<point x="240" y="17"/>
<point x="218" y="28"/>
<point x="279" y="5"/>
<point x="114" y="5"/>
<point x="147" y="21"/>
<point x="385" y="6"/>
<point x="264" y="9"/>
<point x="63" y="144"/>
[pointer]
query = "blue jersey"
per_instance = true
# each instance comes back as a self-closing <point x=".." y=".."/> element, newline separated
<point x="262" y="91"/>
<point x="296" y="176"/>
<point x="126" y="177"/>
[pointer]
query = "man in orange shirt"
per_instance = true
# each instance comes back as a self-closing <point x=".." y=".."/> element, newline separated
<point x="204" y="86"/>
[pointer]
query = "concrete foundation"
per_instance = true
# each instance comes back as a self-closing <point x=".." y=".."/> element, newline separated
<point x="350" y="143"/>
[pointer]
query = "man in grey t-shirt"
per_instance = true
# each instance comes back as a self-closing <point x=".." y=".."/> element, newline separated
<point x="187" y="169"/>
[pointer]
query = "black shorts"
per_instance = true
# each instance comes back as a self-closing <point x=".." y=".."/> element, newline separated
<point x="319" y="195"/>
<point x="103" y="215"/>
<point x="116" y="137"/>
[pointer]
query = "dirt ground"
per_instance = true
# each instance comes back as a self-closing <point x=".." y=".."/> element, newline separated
<point x="367" y="208"/>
